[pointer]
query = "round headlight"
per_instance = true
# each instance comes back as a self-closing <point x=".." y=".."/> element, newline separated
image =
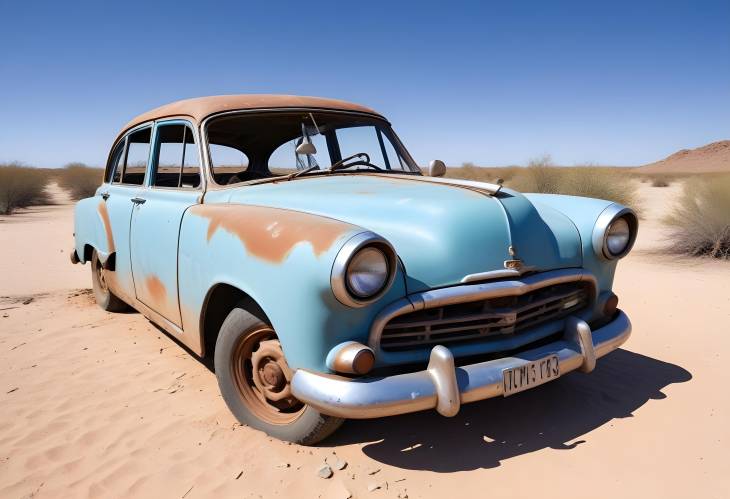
<point x="618" y="236"/>
<point x="615" y="232"/>
<point x="367" y="272"/>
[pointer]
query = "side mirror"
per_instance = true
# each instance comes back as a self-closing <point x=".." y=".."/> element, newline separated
<point x="306" y="148"/>
<point x="436" y="168"/>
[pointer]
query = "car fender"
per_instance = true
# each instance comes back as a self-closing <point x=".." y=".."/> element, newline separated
<point x="283" y="260"/>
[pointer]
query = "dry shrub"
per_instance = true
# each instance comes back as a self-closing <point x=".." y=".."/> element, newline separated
<point x="20" y="187"/>
<point x="700" y="221"/>
<point x="658" y="181"/>
<point x="588" y="181"/>
<point x="80" y="180"/>
<point x="469" y="171"/>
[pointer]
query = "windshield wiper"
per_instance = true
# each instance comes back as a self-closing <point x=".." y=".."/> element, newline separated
<point x="302" y="172"/>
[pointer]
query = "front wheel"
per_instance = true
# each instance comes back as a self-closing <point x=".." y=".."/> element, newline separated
<point x="254" y="379"/>
<point x="99" y="280"/>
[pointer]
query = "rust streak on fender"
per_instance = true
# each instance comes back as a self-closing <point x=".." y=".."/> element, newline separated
<point x="107" y="225"/>
<point x="157" y="290"/>
<point x="271" y="233"/>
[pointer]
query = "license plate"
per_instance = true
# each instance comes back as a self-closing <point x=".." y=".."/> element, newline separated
<point x="518" y="379"/>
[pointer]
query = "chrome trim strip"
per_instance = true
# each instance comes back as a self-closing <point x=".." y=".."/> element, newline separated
<point x="605" y="219"/>
<point x="472" y="292"/>
<point x="432" y="388"/>
<point x="338" y="277"/>
<point x="496" y="274"/>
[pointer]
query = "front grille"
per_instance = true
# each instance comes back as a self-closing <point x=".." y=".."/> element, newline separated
<point x="485" y="319"/>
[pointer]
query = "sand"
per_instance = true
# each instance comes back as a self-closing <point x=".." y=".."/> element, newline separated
<point x="107" y="405"/>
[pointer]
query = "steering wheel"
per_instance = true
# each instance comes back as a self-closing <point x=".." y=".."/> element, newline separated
<point x="342" y="164"/>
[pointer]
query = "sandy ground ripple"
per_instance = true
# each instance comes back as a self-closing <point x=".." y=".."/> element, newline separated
<point x="107" y="405"/>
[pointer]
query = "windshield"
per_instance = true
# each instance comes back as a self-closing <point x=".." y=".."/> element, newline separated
<point x="253" y="146"/>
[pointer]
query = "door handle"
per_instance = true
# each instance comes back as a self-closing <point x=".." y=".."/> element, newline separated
<point x="138" y="200"/>
<point x="105" y="195"/>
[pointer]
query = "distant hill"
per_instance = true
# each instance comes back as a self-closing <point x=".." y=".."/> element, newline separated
<point x="714" y="157"/>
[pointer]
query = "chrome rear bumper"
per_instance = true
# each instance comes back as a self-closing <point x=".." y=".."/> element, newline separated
<point x="444" y="387"/>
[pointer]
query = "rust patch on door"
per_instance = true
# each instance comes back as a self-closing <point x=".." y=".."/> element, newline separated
<point x="271" y="233"/>
<point x="156" y="289"/>
<point x="104" y="213"/>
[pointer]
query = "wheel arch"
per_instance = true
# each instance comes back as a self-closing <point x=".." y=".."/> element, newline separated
<point x="219" y="301"/>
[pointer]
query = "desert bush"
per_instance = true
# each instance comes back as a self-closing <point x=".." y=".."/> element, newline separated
<point x="20" y="187"/>
<point x="587" y="181"/>
<point x="700" y="221"/>
<point x="469" y="171"/>
<point x="658" y="181"/>
<point x="80" y="180"/>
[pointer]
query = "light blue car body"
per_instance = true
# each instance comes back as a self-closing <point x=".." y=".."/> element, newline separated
<point x="172" y="252"/>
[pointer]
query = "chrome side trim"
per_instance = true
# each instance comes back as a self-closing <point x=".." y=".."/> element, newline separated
<point x="444" y="387"/>
<point x="338" y="277"/>
<point x="472" y="292"/>
<point x="605" y="219"/>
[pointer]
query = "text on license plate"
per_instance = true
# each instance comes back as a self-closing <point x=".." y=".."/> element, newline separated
<point x="532" y="374"/>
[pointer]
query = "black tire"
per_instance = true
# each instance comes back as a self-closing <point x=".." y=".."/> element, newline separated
<point x="237" y="347"/>
<point x="104" y="297"/>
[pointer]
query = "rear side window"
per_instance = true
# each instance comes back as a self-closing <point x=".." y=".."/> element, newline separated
<point x="114" y="167"/>
<point x="138" y="151"/>
<point x="176" y="161"/>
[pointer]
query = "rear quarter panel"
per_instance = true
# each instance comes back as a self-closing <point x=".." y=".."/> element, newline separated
<point x="92" y="227"/>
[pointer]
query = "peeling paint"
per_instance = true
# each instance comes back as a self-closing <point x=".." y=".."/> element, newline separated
<point x="271" y="233"/>
<point x="107" y="225"/>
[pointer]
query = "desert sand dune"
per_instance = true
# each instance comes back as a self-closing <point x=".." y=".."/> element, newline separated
<point x="107" y="405"/>
<point x="713" y="157"/>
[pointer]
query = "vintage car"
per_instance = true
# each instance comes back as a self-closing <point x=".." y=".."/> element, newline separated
<point x="296" y="242"/>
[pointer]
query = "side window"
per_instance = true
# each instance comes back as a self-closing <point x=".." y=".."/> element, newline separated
<point x="138" y="150"/>
<point x="177" y="158"/>
<point x="114" y="167"/>
<point x="228" y="163"/>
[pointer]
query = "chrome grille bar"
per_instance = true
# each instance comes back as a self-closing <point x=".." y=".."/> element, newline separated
<point x="402" y="325"/>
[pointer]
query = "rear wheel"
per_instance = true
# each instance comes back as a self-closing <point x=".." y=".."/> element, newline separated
<point x="254" y="379"/>
<point x="99" y="279"/>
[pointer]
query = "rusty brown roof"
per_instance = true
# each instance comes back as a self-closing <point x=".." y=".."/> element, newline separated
<point x="201" y="107"/>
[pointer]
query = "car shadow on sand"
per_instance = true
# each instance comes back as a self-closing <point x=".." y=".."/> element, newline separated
<point x="486" y="433"/>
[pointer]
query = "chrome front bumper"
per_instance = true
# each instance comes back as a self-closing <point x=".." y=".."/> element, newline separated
<point x="444" y="387"/>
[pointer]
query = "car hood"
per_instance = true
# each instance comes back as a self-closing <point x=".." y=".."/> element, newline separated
<point x="442" y="230"/>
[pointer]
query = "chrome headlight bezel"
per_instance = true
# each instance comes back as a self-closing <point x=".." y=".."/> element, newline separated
<point x="606" y="219"/>
<point x="339" y="276"/>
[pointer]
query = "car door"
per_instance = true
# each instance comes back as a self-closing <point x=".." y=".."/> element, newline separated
<point x="174" y="184"/>
<point x="127" y="175"/>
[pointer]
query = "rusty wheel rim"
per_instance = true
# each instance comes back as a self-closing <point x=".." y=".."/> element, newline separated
<point x="263" y="379"/>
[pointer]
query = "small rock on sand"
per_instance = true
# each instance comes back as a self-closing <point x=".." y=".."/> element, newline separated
<point x="372" y="487"/>
<point x="324" y="471"/>
<point x="337" y="463"/>
<point x="283" y="465"/>
<point x="372" y="471"/>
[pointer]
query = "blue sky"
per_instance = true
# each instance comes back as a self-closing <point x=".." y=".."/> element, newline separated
<point x="495" y="83"/>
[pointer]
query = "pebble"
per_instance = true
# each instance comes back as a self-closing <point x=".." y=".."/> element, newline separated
<point x="339" y="464"/>
<point x="372" y="487"/>
<point x="283" y="465"/>
<point x="324" y="471"/>
<point x="372" y="471"/>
